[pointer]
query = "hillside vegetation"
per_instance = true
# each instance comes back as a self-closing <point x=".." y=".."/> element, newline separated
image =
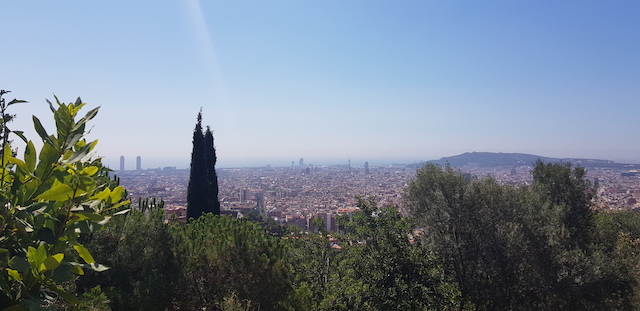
<point x="70" y="240"/>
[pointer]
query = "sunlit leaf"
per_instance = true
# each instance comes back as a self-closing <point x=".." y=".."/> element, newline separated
<point x="123" y="203"/>
<point x="79" y="154"/>
<point x="60" y="192"/>
<point x="84" y="253"/>
<point x="102" y="195"/>
<point x="90" y="115"/>
<point x="90" y="170"/>
<point x="21" y="165"/>
<point x="122" y="212"/>
<point x="52" y="262"/>
<point x="6" y="154"/>
<point x="117" y="193"/>
<point x="14" y="274"/>
<point x="36" y="256"/>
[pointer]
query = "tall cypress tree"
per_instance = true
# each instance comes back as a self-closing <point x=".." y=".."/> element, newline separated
<point x="198" y="190"/>
<point x="210" y="155"/>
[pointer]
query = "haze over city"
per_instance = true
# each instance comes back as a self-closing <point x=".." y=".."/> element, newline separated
<point x="329" y="81"/>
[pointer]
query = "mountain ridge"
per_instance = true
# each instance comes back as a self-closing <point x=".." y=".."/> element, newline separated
<point x="495" y="159"/>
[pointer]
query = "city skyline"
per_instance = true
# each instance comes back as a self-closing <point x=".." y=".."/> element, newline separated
<point x="331" y="81"/>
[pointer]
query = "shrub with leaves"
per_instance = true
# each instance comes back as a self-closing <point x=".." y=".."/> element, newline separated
<point x="48" y="199"/>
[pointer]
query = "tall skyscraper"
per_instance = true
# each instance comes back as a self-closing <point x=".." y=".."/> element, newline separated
<point x="122" y="163"/>
<point x="301" y="162"/>
<point x="138" y="163"/>
<point x="366" y="168"/>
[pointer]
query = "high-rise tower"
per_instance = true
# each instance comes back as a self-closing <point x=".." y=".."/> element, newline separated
<point x="366" y="168"/>
<point x="122" y="163"/>
<point x="138" y="163"/>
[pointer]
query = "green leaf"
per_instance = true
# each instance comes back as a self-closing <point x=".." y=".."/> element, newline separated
<point x="80" y="153"/>
<point x="7" y="154"/>
<point x="30" y="156"/>
<point x="19" y="263"/>
<point x="73" y="139"/>
<point x="117" y="193"/>
<point x="21" y="135"/>
<point x="90" y="216"/>
<point x="85" y="226"/>
<point x="64" y="121"/>
<point x="90" y="115"/>
<point x="16" y="101"/>
<point x="84" y="253"/>
<point x="123" y="203"/>
<point x="51" y="105"/>
<point x="21" y="165"/>
<point x="36" y="256"/>
<point x="102" y="195"/>
<point x="60" y="192"/>
<point x="74" y="108"/>
<point x="52" y="262"/>
<point x="37" y="208"/>
<point x="45" y="234"/>
<point x="89" y="170"/>
<point x="63" y="273"/>
<point x="14" y="274"/>
<point x="77" y="270"/>
<point x="48" y="156"/>
<point x="41" y="131"/>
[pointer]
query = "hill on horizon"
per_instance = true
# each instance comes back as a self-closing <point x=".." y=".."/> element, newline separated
<point x="494" y="159"/>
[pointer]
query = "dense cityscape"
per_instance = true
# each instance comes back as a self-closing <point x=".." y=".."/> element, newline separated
<point x="294" y="195"/>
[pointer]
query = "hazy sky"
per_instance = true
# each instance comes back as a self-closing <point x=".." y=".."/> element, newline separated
<point x="332" y="80"/>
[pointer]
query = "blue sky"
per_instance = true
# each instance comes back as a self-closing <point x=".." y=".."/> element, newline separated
<point x="376" y="81"/>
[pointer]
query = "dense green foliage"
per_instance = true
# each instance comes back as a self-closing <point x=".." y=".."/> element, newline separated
<point x="137" y="249"/>
<point x="48" y="201"/>
<point x="198" y="189"/>
<point x="522" y="248"/>
<point x="466" y="245"/>
<point x="379" y="268"/>
<point x="202" y="192"/>
<point x="212" y="176"/>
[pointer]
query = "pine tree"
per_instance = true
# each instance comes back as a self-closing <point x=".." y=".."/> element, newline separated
<point x="198" y="190"/>
<point x="210" y="155"/>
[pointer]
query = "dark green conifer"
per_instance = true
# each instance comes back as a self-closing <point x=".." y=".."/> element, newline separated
<point x="198" y="189"/>
<point x="210" y="155"/>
